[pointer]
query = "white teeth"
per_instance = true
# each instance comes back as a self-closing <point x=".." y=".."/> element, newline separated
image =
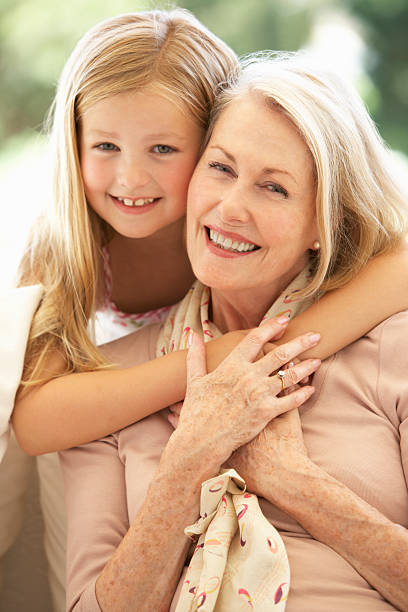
<point x="139" y="202"/>
<point x="228" y="244"/>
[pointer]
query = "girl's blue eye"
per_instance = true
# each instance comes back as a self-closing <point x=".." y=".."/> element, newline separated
<point x="107" y="146"/>
<point x="162" y="149"/>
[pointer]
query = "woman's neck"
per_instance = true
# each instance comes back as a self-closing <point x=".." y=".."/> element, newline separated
<point x="235" y="310"/>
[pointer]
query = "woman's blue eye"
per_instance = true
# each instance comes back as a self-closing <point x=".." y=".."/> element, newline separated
<point x="162" y="149"/>
<point x="274" y="188"/>
<point x="219" y="166"/>
<point x="107" y="146"/>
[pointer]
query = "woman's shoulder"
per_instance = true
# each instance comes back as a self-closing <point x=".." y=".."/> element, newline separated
<point x="393" y="330"/>
<point x="385" y="344"/>
<point x="135" y="348"/>
<point x="380" y="359"/>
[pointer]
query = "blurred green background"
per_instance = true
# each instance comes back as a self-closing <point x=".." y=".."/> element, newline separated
<point x="366" y="39"/>
<point x="36" y="37"/>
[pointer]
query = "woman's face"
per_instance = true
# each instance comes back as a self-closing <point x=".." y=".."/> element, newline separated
<point x="251" y="205"/>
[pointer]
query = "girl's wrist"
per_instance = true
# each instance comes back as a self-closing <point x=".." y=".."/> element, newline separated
<point x="218" y="349"/>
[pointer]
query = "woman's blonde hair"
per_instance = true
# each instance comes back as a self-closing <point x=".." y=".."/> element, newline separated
<point x="360" y="209"/>
<point x="185" y="62"/>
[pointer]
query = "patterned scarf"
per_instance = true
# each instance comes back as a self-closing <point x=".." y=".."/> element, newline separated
<point x="240" y="559"/>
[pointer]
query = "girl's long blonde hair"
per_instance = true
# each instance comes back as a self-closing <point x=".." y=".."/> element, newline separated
<point x="185" y="62"/>
<point x="361" y="210"/>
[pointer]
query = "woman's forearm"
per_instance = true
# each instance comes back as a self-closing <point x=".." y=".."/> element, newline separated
<point x="376" y="547"/>
<point x="144" y="577"/>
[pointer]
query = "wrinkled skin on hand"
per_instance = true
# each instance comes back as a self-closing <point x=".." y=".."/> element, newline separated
<point x="227" y="408"/>
<point x="279" y="446"/>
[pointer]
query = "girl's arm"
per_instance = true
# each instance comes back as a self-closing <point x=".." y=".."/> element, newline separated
<point x="77" y="408"/>
<point x="344" y="315"/>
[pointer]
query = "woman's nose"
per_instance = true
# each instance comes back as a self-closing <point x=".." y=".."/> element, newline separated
<point x="233" y="207"/>
<point x="132" y="175"/>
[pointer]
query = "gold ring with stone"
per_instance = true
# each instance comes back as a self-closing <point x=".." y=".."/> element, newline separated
<point x="281" y="375"/>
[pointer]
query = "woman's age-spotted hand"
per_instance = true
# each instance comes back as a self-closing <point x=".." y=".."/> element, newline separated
<point x="227" y="408"/>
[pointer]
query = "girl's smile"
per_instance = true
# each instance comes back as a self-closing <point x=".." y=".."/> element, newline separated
<point x="138" y="151"/>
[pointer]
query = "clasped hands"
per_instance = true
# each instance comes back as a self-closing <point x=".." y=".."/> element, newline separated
<point x="237" y="413"/>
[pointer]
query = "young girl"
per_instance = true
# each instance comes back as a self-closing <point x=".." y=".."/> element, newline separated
<point x="131" y="110"/>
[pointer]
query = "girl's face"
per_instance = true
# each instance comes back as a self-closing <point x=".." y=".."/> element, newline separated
<point x="251" y="208"/>
<point x="138" y="151"/>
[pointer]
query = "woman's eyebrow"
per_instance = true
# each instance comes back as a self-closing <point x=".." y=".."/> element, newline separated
<point x="227" y="155"/>
<point x="265" y="170"/>
<point x="279" y="171"/>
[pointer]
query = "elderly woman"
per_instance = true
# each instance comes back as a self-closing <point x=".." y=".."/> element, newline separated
<point x="290" y="198"/>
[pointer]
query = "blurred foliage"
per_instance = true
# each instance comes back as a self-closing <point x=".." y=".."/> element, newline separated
<point x="385" y="24"/>
<point x="36" y="37"/>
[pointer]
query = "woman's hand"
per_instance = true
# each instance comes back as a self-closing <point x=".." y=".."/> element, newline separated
<point x="280" y="445"/>
<point x="227" y="408"/>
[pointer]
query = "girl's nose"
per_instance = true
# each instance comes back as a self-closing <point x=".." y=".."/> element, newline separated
<point x="132" y="175"/>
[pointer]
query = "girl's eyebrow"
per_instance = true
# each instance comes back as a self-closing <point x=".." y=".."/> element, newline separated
<point x="264" y="170"/>
<point x="95" y="132"/>
<point x="155" y="136"/>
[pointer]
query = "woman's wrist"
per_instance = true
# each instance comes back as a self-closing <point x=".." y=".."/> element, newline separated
<point x="190" y="455"/>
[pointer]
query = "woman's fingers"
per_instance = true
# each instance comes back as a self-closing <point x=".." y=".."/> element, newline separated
<point x="289" y="377"/>
<point x="291" y="401"/>
<point x="286" y="352"/>
<point x="196" y="364"/>
<point x="173" y="419"/>
<point x="253" y="343"/>
<point x="176" y="408"/>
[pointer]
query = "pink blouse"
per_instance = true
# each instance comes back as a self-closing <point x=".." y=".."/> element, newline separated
<point x="355" y="427"/>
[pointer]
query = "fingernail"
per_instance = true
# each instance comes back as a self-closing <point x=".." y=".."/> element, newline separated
<point x="291" y="364"/>
<point x="282" y="320"/>
<point x="316" y="362"/>
<point x="314" y="337"/>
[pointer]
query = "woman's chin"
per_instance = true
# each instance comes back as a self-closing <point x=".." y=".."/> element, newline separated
<point x="220" y="282"/>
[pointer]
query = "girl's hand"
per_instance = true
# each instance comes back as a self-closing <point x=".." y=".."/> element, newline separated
<point x="229" y="407"/>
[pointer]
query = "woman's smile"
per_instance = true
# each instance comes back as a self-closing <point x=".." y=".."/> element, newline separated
<point x="228" y="244"/>
<point x="251" y="216"/>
